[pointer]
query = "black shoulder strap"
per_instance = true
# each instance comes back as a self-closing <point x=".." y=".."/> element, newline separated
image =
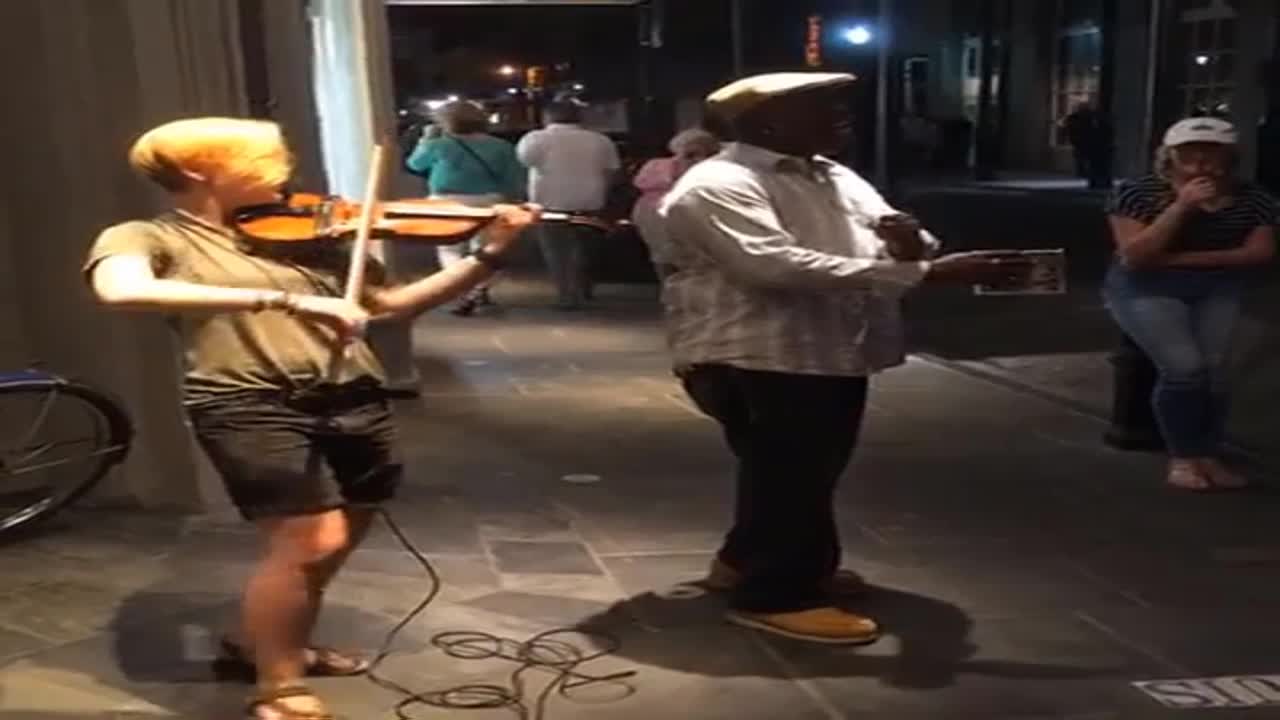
<point x="492" y="175"/>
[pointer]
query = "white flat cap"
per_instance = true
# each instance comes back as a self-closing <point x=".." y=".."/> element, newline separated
<point x="739" y="96"/>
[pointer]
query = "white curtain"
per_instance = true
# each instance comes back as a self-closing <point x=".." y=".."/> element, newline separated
<point x="342" y="90"/>
<point x="352" y="80"/>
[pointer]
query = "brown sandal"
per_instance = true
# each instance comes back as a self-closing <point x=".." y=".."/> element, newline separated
<point x="272" y="700"/>
<point x="321" y="661"/>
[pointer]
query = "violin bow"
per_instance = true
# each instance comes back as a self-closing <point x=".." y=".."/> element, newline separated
<point x="360" y="247"/>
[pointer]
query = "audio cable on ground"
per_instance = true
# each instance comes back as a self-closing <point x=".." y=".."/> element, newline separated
<point x="549" y="651"/>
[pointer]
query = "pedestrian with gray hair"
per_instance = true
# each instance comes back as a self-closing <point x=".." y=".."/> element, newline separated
<point x="571" y="169"/>
<point x="655" y="178"/>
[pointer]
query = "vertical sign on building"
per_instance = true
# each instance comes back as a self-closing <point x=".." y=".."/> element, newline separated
<point x="813" y="42"/>
<point x="535" y="77"/>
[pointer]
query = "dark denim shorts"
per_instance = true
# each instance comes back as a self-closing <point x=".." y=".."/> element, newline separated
<point x="282" y="454"/>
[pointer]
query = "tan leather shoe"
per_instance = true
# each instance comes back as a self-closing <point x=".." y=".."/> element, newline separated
<point x="827" y="625"/>
<point x="844" y="583"/>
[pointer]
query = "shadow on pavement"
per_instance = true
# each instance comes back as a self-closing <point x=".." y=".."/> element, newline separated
<point x="933" y="638"/>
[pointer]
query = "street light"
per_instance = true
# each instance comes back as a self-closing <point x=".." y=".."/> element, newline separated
<point x="507" y="70"/>
<point x="858" y="35"/>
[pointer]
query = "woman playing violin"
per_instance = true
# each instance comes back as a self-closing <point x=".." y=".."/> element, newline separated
<point x="302" y="454"/>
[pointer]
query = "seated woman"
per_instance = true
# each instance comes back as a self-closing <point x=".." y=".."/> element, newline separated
<point x="303" y="455"/>
<point x="1189" y="238"/>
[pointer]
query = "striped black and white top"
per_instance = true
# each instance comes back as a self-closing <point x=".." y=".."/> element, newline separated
<point x="779" y="267"/>
<point x="1143" y="199"/>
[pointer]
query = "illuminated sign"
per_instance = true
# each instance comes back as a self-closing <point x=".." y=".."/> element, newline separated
<point x="536" y="77"/>
<point x="813" y="42"/>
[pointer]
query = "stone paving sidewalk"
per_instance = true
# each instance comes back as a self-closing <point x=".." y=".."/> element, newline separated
<point x="1022" y="571"/>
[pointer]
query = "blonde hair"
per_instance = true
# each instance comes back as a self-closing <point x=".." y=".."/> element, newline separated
<point x="462" y="117"/>
<point x="252" y="150"/>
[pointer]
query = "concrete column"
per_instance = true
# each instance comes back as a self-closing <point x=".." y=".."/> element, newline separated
<point x="735" y="31"/>
<point x="356" y="107"/>
<point x="948" y="75"/>
<point x="886" y="76"/>
<point x="1129" y="91"/>
<point x="1030" y="87"/>
<point x="1256" y="37"/>
<point x="289" y="66"/>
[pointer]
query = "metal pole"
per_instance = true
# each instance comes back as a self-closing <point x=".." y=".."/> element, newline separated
<point x="735" y="22"/>
<point x="1104" y="152"/>
<point x="983" y="130"/>
<point x="1151" y="84"/>
<point x="658" y="24"/>
<point x="883" y="78"/>
<point x="1006" y="83"/>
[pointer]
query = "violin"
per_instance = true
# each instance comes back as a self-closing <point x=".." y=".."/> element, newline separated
<point x="304" y="217"/>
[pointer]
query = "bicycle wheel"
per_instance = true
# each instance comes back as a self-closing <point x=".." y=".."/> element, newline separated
<point x="58" y="438"/>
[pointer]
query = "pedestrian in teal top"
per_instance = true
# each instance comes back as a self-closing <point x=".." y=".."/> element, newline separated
<point x="467" y="165"/>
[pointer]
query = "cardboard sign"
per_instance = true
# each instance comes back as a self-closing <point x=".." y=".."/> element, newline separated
<point x="1048" y="275"/>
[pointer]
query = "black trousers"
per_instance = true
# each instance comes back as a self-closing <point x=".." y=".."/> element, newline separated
<point x="1083" y="162"/>
<point x="793" y="436"/>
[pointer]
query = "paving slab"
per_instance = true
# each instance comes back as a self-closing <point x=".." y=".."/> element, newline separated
<point x="1021" y="570"/>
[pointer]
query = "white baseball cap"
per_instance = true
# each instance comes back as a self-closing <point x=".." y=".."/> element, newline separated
<point x="1200" y="130"/>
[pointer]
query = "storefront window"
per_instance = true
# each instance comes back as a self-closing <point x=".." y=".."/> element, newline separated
<point x="1204" y="56"/>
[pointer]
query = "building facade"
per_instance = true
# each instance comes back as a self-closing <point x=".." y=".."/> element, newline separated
<point x="1014" y="70"/>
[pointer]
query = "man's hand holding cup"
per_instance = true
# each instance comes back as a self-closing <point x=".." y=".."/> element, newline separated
<point x="902" y="237"/>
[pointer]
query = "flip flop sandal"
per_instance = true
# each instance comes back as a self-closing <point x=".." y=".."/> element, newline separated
<point x="272" y="700"/>
<point x="1190" y="480"/>
<point x="1223" y="480"/>
<point x="322" y="661"/>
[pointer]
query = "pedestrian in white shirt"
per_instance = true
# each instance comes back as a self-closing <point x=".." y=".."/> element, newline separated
<point x="789" y="271"/>
<point x="570" y="169"/>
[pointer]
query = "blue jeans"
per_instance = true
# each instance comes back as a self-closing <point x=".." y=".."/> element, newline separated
<point x="1183" y="321"/>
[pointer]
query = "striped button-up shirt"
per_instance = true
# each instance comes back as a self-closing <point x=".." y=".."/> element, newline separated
<point x="779" y="267"/>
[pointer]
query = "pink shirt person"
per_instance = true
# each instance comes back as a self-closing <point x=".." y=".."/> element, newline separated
<point x="656" y="177"/>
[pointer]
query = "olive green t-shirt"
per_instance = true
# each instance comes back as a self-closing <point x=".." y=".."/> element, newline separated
<point x="235" y="351"/>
